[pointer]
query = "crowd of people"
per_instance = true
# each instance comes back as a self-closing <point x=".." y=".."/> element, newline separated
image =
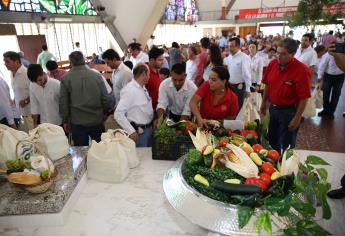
<point x="208" y="81"/>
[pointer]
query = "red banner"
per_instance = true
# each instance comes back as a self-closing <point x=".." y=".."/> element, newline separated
<point x="279" y="12"/>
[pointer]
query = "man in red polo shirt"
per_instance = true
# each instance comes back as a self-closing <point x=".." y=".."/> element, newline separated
<point x="156" y="60"/>
<point x="287" y="90"/>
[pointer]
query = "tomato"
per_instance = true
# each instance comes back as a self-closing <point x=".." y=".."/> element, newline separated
<point x="274" y="155"/>
<point x="268" y="168"/>
<point x="257" y="182"/>
<point x="266" y="178"/>
<point x="244" y="133"/>
<point x="223" y="142"/>
<point x="229" y="132"/>
<point x="261" y="184"/>
<point x="257" y="148"/>
<point x="250" y="180"/>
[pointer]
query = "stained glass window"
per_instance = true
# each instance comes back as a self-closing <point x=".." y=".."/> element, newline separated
<point x="181" y="11"/>
<point x="70" y="7"/>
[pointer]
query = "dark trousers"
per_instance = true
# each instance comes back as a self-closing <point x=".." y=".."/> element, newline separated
<point x="4" y="121"/>
<point x="278" y="134"/>
<point x="80" y="134"/>
<point x="239" y="92"/>
<point x="332" y="85"/>
<point x="342" y="182"/>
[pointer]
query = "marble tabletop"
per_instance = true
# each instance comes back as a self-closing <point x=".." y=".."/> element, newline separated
<point x="17" y="201"/>
<point x="138" y="205"/>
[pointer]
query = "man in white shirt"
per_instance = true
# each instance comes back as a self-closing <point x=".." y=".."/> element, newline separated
<point x="191" y="63"/>
<point x="150" y="42"/>
<point x="175" y="94"/>
<point x="333" y="80"/>
<point x="121" y="76"/>
<point x="306" y="54"/>
<point x="6" y="113"/>
<point x="20" y="85"/>
<point x="134" y="113"/>
<point x="239" y="68"/>
<point x="137" y="54"/>
<point x="256" y="67"/>
<point x="44" y="96"/>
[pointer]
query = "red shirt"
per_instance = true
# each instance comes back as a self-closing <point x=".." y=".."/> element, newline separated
<point x="287" y="86"/>
<point x="153" y="87"/>
<point x="58" y="74"/>
<point x="200" y="65"/>
<point x="226" y="107"/>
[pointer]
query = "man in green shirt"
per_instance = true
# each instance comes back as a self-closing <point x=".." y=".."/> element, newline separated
<point x="44" y="57"/>
<point x="83" y="101"/>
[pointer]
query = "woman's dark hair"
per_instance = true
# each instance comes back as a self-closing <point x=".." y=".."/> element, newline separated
<point x="193" y="49"/>
<point x="215" y="55"/>
<point x="175" y="45"/>
<point x="222" y="73"/>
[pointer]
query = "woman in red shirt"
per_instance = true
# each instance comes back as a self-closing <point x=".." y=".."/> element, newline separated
<point x="217" y="101"/>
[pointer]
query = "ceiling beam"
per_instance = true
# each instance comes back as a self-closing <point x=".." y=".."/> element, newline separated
<point x="153" y="20"/>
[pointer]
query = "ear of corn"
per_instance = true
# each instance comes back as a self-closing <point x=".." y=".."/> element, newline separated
<point x="290" y="165"/>
<point x="243" y="166"/>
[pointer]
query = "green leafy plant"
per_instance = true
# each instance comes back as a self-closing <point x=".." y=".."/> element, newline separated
<point x="163" y="134"/>
<point x="312" y="12"/>
<point x="295" y="197"/>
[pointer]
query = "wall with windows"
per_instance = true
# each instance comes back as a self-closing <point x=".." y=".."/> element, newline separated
<point x="61" y="37"/>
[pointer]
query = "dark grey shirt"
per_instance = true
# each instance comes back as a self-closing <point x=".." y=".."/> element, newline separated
<point x="83" y="97"/>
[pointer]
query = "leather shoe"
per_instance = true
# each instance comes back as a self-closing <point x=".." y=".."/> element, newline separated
<point x="343" y="114"/>
<point x="336" y="194"/>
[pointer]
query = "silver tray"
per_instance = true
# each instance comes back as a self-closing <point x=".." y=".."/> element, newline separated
<point x="207" y="213"/>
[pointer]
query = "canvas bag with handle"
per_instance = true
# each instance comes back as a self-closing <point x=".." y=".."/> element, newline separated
<point x="9" y="138"/>
<point x="248" y="112"/>
<point x="123" y="137"/>
<point x="51" y="140"/>
<point x="317" y="95"/>
<point x="107" y="161"/>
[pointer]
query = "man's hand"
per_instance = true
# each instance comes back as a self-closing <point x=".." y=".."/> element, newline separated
<point x="66" y="127"/>
<point x="319" y="80"/>
<point x="263" y="108"/>
<point x="154" y="123"/>
<point x="247" y="95"/>
<point x="134" y="136"/>
<point x="294" y="123"/>
<point x="257" y="88"/>
<point x="22" y="103"/>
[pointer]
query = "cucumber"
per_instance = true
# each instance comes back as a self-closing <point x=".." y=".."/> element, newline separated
<point x="238" y="189"/>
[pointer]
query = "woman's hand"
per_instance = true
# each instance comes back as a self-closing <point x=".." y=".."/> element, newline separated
<point x="202" y="123"/>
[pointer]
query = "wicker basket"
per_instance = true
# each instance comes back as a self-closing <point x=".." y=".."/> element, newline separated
<point x="44" y="185"/>
<point x="41" y="187"/>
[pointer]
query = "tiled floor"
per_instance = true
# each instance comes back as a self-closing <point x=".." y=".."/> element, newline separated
<point x="322" y="134"/>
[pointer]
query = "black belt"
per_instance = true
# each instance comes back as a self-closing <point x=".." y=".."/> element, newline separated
<point x="235" y="84"/>
<point x="136" y="126"/>
<point x="283" y="107"/>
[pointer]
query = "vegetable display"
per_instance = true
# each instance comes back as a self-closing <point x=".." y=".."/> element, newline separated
<point x="230" y="170"/>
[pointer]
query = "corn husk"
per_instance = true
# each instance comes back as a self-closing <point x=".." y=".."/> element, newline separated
<point x="201" y="139"/>
<point x="290" y="165"/>
<point x="243" y="166"/>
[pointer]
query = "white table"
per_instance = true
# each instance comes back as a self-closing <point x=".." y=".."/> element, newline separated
<point x="138" y="205"/>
